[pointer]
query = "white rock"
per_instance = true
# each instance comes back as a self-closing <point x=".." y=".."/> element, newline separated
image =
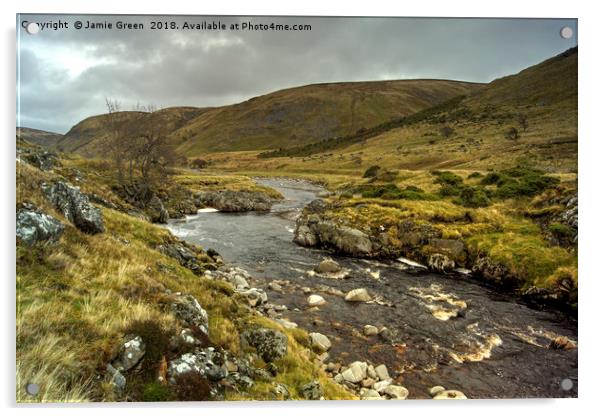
<point x="320" y="342"/>
<point x="370" y="330"/>
<point x="433" y="391"/>
<point x="450" y="395"/>
<point x="356" y="372"/>
<point x="382" y="373"/>
<point x="315" y="300"/>
<point x="358" y="295"/>
<point x="396" y="392"/>
<point x="380" y="386"/>
<point x="370" y="371"/>
<point x="368" y="394"/>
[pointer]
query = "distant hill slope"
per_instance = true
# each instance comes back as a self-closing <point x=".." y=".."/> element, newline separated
<point x="311" y="113"/>
<point x="526" y="118"/>
<point x="39" y="137"/>
<point x="281" y="119"/>
<point x="85" y="137"/>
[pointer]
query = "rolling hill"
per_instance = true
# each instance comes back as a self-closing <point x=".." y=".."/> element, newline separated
<point x="39" y="137"/>
<point x="281" y="119"/>
<point x="529" y="117"/>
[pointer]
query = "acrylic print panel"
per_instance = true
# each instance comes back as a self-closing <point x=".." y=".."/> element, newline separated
<point x="295" y="208"/>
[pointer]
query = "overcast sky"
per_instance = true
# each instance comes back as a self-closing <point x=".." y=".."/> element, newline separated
<point x="64" y="75"/>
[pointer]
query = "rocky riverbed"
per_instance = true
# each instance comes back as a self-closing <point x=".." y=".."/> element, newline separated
<point x="435" y="335"/>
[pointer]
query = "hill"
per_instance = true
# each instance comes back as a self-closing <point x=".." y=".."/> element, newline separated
<point x="85" y="137"/>
<point x="311" y="113"/>
<point x="281" y="119"/>
<point x="529" y="117"/>
<point x="39" y="137"/>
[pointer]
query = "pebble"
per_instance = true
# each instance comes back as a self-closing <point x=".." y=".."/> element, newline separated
<point x="370" y="330"/>
<point x="320" y="342"/>
<point x="316" y="300"/>
<point x="450" y="395"/>
<point x="436" y="390"/>
<point x="396" y="392"/>
<point x="381" y="372"/>
<point x="358" y="295"/>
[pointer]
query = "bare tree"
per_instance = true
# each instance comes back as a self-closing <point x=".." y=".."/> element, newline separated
<point x="523" y="122"/>
<point x="114" y="140"/>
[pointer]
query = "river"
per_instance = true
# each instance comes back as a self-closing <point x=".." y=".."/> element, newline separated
<point x="496" y="348"/>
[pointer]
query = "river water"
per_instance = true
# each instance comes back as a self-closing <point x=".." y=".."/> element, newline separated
<point x="496" y="347"/>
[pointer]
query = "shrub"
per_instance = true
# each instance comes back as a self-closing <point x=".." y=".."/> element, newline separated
<point x="473" y="197"/>
<point x="199" y="163"/>
<point x="492" y="178"/>
<point x="191" y="386"/>
<point x="560" y="230"/>
<point x="448" y="178"/>
<point x="475" y="175"/>
<point x="371" y="171"/>
<point x="157" y="392"/>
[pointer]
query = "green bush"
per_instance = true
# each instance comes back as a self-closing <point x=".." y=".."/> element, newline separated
<point x="473" y="197"/>
<point x="157" y="392"/>
<point x="560" y="230"/>
<point x="475" y="175"/>
<point x="447" y="178"/>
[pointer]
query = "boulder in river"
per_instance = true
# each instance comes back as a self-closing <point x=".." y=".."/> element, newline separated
<point x="370" y="330"/>
<point x="562" y="343"/>
<point x="234" y="201"/>
<point x="358" y="295"/>
<point x="35" y="226"/>
<point x="315" y="300"/>
<point x="269" y="343"/>
<point x="440" y="263"/>
<point x="75" y="206"/>
<point x="328" y="266"/>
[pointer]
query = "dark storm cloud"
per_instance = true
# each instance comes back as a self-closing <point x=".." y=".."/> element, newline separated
<point x="66" y="74"/>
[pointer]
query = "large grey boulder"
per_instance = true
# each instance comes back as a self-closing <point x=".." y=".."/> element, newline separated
<point x="190" y="311"/>
<point x="130" y="354"/>
<point x="204" y="362"/>
<point x="312" y="231"/>
<point x="75" y="206"/>
<point x="312" y="390"/>
<point x="269" y="343"/>
<point x="43" y="160"/>
<point x="35" y="226"/>
<point x="234" y="201"/>
<point x="320" y="342"/>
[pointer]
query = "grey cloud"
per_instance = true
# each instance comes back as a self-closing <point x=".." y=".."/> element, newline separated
<point x="204" y="68"/>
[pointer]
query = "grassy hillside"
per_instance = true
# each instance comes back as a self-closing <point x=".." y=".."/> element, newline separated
<point x="39" y="137"/>
<point x="280" y="119"/>
<point x="81" y="295"/>
<point x="85" y="137"/>
<point x="540" y="103"/>
<point x="311" y="113"/>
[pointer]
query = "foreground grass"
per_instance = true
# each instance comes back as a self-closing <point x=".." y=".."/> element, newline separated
<point x="79" y="297"/>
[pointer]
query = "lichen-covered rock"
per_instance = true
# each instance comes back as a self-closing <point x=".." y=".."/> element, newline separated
<point x="440" y="263"/>
<point x="41" y="159"/>
<point x="204" y="362"/>
<point x="311" y="231"/>
<point x="493" y="272"/>
<point x="234" y="201"/>
<point x="453" y="249"/>
<point x="130" y="354"/>
<point x="254" y="296"/>
<point x="190" y="311"/>
<point x="75" y="206"/>
<point x="317" y="206"/>
<point x="35" y="226"/>
<point x="312" y="391"/>
<point x="188" y="255"/>
<point x="269" y="343"/>
<point x="236" y="276"/>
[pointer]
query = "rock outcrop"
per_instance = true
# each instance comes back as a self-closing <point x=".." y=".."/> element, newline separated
<point x="234" y="201"/>
<point x="190" y="311"/>
<point x="34" y="226"/>
<point x="75" y="206"/>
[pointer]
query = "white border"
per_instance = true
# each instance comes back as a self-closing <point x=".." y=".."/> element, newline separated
<point x="589" y="177"/>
